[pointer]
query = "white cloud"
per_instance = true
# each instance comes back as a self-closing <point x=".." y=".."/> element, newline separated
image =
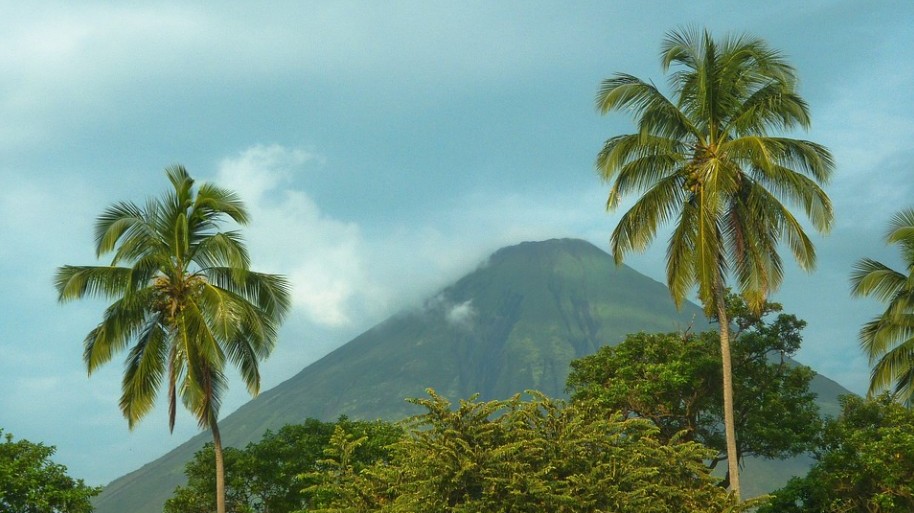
<point x="461" y="315"/>
<point x="342" y="276"/>
<point x="322" y="256"/>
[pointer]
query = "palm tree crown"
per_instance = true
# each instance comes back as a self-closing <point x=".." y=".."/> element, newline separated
<point x="888" y="339"/>
<point x="184" y="297"/>
<point x="705" y="160"/>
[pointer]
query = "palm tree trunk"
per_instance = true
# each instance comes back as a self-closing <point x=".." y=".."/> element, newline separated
<point x="729" y="424"/>
<point x="220" y="468"/>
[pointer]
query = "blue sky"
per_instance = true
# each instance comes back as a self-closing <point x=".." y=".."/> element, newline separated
<point x="384" y="149"/>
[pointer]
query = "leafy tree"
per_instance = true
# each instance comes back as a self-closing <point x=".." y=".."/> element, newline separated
<point x="673" y="379"/>
<point x="31" y="483"/>
<point x="197" y="496"/>
<point x="705" y="161"/>
<point x="865" y="464"/>
<point x="265" y="476"/>
<point x="888" y="339"/>
<point x="523" y="456"/>
<point x="184" y="296"/>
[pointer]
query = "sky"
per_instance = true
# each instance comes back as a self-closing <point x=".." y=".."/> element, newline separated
<point x="384" y="149"/>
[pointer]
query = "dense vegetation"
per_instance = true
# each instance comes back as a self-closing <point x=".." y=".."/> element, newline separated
<point x="865" y="463"/>
<point x="519" y="455"/>
<point x="265" y="476"/>
<point x="30" y="482"/>
<point x="673" y="379"/>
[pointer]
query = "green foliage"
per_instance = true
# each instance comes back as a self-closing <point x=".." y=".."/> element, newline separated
<point x="673" y="379"/>
<point x="31" y="483"/>
<point x="865" y="464"/>
<point x="265" y="476"/>
<point x="705" y="161"/>
<point x="523" y="456"/>
<point x="184" y="296"/>
<point x="888" y="339"/>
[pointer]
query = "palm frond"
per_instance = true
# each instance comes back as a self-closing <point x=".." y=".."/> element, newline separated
<point x="221" y="311"/>
<point x="243" y="352"/>
<point x="638" y="226"/>
<point x="680" y="254"/>
<point x="202" y="390"/>
<point x="752" y="233"/>
<point x="805" y="157"/>
<point x="223" y="249"/>
<point x="181" y="182"/>
<point x="681" y="47"/>
<point x="710" y="264"/>
<point x="641" y="98"/>
<point x="113" y="223"/>
<point x="891" y="369"/>
<point x="176" y="373"/>
<point x="767" y="169"/>
<point x="872" y="278"/>
<point x="250" y="321"/>
<point x="879" y="335"/>
<point x="123" y="320"/>
<point x="901" y="228"/>
<point x="142" y="238"/>
<point x="636" y="163"/>
<point x="143" y="373"/>
<point x="774" y="105"/>
<point x="76" y="282"/>
<point x="269" y="292"/>
<point x="216" y="201"/>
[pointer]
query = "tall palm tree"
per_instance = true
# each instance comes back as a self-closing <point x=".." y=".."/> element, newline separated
<point x="184" y="297"/>
<point x="888" y="339"/>
<point x="705" y="162"/>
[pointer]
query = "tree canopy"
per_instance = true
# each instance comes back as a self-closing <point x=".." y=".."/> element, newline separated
<point x="265" y="476"/>
<point x="673" y="379"/>
<point x="521" y="455"/>
<point x="30" y="482"/>
<point x="865" y="463"/>
<point x="184" y="297"/>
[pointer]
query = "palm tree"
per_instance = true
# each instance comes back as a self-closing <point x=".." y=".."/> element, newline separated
<point x="705" y="162"/>
<point x="184" y="297"/>
<point x="888" y="339"/>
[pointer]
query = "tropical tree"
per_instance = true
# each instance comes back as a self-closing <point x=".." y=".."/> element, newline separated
<point x="520" y="455"/>
<point x="673" y="380"/>
<point x="704" y="161"/>
<point x="865" y="463"/>
<point x="184" y="297"/>
<point x="265" y="477"/>
<point x="30" y="482"/>
<point x="888" y="339"/>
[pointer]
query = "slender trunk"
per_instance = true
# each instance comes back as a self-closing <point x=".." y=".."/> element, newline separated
<point x="220" y="468"/>
<point x="729" y="424"/>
